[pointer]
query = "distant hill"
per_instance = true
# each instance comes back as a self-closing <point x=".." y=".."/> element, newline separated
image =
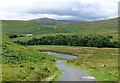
<point x="97" y="27"/>
<point x="109" y="25"/>
<point x="48" y="21"/>
<point x="25" y="27"/>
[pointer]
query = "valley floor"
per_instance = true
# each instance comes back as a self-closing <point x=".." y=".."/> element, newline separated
<point x="101" y="63"/>
<point x="29" y="63"/>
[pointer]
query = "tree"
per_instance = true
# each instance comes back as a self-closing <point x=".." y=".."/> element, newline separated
<point x="13" y="36"/>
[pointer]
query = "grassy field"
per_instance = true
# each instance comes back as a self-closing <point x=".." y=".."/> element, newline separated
<point x="90" y="60"/>
<point x="20" y="63"/>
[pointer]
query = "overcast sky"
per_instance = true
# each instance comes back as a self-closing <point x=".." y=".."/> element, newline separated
<point x="83" y="10"/>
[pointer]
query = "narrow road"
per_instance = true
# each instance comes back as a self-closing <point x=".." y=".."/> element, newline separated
<point x="72" y="74"/>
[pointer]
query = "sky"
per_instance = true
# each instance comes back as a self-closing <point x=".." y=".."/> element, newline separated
<point x="81" y="10"/>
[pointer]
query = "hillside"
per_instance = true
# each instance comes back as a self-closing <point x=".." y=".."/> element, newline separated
<point x="96" y="27"/>
<point x="109" y="26"/>
<point x="20" y="63"/>
<point x="24" y="27"/>
<point x="48" y="21"/>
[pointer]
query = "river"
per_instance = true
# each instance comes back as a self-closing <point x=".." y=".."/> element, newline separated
<point x="66" y="56"/>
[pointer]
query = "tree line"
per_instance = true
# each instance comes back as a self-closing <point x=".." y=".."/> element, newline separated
<point x="73" y="40"/>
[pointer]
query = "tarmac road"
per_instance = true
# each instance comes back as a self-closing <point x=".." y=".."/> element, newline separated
<point x="72" y="74"/>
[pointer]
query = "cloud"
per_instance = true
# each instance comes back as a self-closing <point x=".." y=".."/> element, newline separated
<point x="58" y="9"/>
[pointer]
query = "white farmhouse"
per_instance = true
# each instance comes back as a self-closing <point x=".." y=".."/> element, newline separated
<point x="29" y="35"/>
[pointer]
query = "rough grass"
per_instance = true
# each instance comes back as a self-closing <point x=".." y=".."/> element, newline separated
<point x="20" y="63"/>
<point x="90" y="60"/>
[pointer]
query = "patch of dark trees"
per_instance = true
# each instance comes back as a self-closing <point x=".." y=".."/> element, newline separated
<point x="15" y="36"/>
<point x="73" y="40"/>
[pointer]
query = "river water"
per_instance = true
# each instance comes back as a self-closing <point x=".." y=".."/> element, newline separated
<point x="66" y="56"/>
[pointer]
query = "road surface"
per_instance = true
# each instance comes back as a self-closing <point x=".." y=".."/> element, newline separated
<point x="72" y="74"/>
